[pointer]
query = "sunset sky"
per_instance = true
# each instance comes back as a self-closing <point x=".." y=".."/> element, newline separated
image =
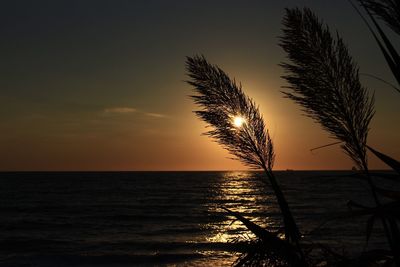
<point x="99" y="85"/>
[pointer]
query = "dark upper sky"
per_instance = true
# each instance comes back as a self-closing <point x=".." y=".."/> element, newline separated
<point x="98" y="85"/>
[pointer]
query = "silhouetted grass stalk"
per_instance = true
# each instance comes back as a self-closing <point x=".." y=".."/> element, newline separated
<point x="387" y="11"/>
<point x="223" y="104"/>
<point x="324" y="80"/>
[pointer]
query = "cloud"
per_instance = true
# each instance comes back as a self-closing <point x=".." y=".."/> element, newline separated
<point x="155" y="115"/>
<point x="129" y="110"/>
<point x="123" y="110"/>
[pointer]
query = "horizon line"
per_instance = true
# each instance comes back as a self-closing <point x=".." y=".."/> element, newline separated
<point x="248" y="170"/>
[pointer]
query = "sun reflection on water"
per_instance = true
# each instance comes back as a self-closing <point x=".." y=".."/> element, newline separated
<point x="242" y="192"/>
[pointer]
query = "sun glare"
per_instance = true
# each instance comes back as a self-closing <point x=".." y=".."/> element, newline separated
<point x="238" y="121"/>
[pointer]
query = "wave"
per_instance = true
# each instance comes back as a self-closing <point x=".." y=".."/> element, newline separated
<point x="62" y="260"/>
<point x="51" y="218"/>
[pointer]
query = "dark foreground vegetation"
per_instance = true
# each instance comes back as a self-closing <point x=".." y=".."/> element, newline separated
<point x="324" y="80"/>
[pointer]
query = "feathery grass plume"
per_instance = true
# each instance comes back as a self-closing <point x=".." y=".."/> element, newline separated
<point x="386" y="10"/>
<point x="324" y="80"/>
<point x="237" y="125"/>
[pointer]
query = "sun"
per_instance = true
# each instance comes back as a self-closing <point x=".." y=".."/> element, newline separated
<point x="238" y="121"/>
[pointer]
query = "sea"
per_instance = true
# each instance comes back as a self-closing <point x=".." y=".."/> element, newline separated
<point x="168" y="218"/>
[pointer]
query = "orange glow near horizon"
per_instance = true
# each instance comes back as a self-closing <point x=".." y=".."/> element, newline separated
<point x="112" y="98"/>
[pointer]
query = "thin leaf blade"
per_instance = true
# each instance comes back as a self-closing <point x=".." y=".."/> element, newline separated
<point x="391" y="162"/>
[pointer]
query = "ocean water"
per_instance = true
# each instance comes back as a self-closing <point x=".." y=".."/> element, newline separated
<point x="164" y="218"/>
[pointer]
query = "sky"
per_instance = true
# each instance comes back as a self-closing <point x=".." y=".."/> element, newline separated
<point x="100" y="85"/>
